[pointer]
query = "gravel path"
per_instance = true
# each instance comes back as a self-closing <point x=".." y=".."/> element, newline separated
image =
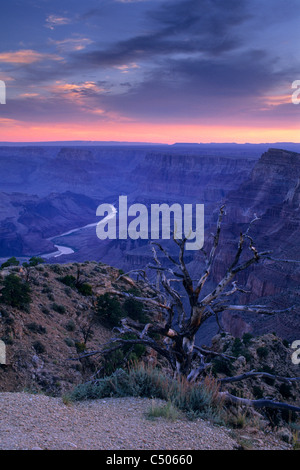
<point x="41" y="422"/>
<point x="37" y="421"/>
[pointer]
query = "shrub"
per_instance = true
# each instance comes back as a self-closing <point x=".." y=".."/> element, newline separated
<point x="70" y="325"/>
<point x="15" y="292"/>
<point x="10" y="262"/>
<point x="194" y="399"/>
<point x="109" y="311"/>
<point x="9" y="321"/>
<point x="35" y="328"/>
<point x="46" y="289"/>
<point x="35" y="260"/>
<point x="269" y="370"/>
<point x="135" y="310"/>
<point x="123" y="357"/>
<point x="257" y="392"/>
<point x="82" y="287"/>
<point x="285" y="390"/>
<point x="68" y="291"/>
<point x="262" y="352"/>
<point x="69" y="342"/>
<point x="85" y="289"/>
<point x="56" y="268"/>
<point x="45" y="310"/>
<point x="59" y="308"/>
<point x="167" y="411"/>
<point x="68" y="280"/>
<point x="39" y="347"/>
<point x="247" y="337"/>
<point x="237" y="347"/>
<point x="80" y="347"/>
<point x="221" y="366"/>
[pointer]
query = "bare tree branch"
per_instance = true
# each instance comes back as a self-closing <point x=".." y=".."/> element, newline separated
<point x="253" y="373"/>
<point x="210" y="260"/>
<point x="261" y="403"/>
<point x="258" y="309"/>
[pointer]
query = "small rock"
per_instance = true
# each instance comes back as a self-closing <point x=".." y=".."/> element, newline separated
<point x="242" y="360"/>
<point x="286" y="435"/>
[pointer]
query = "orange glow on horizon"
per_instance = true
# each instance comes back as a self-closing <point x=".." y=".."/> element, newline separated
<point x="14" y="131"/>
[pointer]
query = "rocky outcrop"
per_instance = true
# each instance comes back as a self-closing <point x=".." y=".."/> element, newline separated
<point x="272" y="193"/>
<point x="235" y="325"/>
<point x="267" y="353"/>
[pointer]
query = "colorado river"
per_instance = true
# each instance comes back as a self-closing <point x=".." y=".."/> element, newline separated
<point x="66" y="250"/>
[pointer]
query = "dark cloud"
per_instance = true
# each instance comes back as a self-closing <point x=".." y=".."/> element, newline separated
<point x="186" y="26"/>
<point x="200" y="89"/>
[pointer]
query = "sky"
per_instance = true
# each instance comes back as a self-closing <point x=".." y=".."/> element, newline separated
<point x="160" y="71"/>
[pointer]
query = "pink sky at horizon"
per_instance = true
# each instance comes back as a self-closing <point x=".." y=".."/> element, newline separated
<point x="14" y="131"/>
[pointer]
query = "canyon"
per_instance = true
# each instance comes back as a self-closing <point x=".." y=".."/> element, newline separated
<point x="49" y="196"/>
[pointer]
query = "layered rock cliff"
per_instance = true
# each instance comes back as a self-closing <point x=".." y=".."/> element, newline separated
<point x="272" y="193"/>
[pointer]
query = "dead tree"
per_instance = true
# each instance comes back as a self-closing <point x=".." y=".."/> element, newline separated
<point x="178" y="345"/>
<point x="178" y="324"/>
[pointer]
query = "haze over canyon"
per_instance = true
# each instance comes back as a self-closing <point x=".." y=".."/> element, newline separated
<point x="50" y="193"/>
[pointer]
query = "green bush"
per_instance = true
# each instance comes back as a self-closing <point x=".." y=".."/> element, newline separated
<point x="56" y="268"/>
<point x="80" y="347"/>
<point x="221" y="366"/>
<point x="82" y="287"/>
<point x="262" y="352"/>
<point x="45" y="310"/>
<point x="10" y="262"/>
<point x="85" y="289"/>
<point x="59" y="308"/>
<point x="35" y="260"/>
<point x="237" y="347"/>
<point x="70" y="325"/>
<point x="35" y="328"/>
<point x="39" y="347"/>
<point x="124" y="356"/>
<point x="109" y="311"/>
<point x="247" y="337"/>
<point x="135" y="310"/>
<point x="68" y="280"/>
<point x="15" y="292"/>
<point x="46" y="289"/>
